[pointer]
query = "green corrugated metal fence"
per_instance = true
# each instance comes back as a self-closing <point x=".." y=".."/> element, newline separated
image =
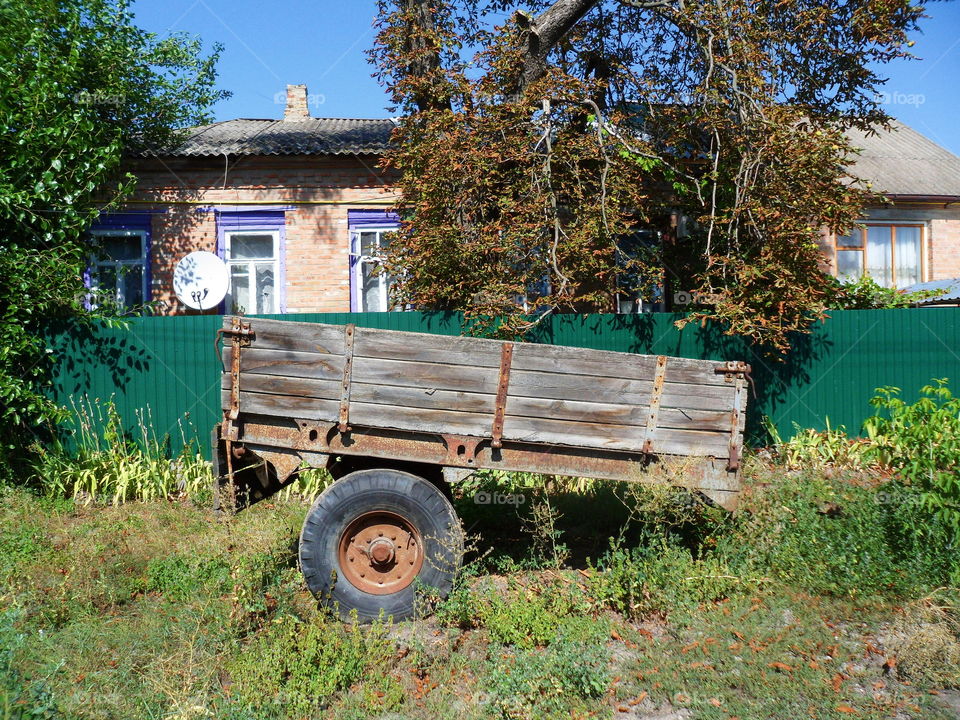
<point x="168" y="364"/>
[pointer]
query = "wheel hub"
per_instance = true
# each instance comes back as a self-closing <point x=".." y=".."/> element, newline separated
<point x="380" y="552"/>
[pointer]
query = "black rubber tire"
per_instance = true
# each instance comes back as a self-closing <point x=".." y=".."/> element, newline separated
<point x="413" y="498"/>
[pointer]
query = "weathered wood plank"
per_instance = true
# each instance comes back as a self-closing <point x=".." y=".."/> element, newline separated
<point x="429" y="376"/>
<point x="533" y="430"/>
<point x="284" y="406"/>
<point x="526" y="383"/>
<point x="480" y="352"/>
<point x="297" y="336"/>
<point x="595" y="412"/>
<point x="254" y="360"/>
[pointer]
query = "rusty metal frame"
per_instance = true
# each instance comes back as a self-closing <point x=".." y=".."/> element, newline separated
<point x="307" y="437"/>
<point x="736" y="436"/>
<point x="349" y="332"/>
<point x="461" y="450"/>
<point x="652" y="417"/>
<point x="506" y="359"/>
<point x="240" y="335"/>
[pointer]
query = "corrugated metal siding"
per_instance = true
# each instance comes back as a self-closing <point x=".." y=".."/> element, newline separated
<point x="168" y="364"/>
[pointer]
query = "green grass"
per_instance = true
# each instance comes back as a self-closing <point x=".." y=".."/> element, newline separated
<point x="816" y="601"/>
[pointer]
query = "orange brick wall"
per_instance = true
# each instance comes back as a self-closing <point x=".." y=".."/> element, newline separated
<point x="321" y="190"/>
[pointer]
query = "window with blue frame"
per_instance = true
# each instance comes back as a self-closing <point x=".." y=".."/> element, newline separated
<point x="119" y="271"/>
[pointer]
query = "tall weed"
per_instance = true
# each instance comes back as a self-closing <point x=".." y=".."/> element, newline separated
<point x="110" y="466"/>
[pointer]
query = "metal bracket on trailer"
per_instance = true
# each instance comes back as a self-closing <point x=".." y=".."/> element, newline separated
<point x="506" y="358"/>
<point x="349" y="331"/>
<point x="658" y="380"/>
<point x="240" y="335"/>
<point x="738" y="373"/>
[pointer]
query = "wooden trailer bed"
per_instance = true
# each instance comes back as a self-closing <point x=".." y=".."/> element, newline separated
<point x="296" y="392"/>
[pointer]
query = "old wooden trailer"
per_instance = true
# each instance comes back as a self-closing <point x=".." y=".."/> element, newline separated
<point x="397" y="417"/>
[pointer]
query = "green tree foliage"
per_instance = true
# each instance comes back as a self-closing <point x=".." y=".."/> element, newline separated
<point x="80" y="85"/>
<point x="533" y="143"/>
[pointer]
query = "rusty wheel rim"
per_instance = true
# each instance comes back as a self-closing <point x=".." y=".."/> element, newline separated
<point x="380" y="552"/>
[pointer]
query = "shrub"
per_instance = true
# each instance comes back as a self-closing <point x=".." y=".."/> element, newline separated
<point x="827" y="535"/>
<point x="521" y="615"/>
<point x="921" y="442"/>
<point x="546" y="683"/>
<point x="258" y="582"/>
<point x="298" y="666"/>
<point x="658" y="576"/>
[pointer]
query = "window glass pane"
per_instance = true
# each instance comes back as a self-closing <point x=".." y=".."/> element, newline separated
<point x="853" y="239"/>
<point x="906" y="251"/>
<point x="368" y="244"/>
<point x="370" y="289"/>
<point x="106" y="283"/>
<point x="127" y="247"/>
<point x="849" y="265"/>
<point x="265" y="292"/>
<point x="879" y="265"/>
<point x="131" y="285"/>
<point x="251" y="247"/>
<point x="239" y="289"/>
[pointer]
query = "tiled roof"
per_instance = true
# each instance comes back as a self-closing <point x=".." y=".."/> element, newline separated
<point x="313" y="136"/>
<point x="901" y="161"/>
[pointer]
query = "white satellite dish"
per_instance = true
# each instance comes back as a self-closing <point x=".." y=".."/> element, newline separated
<point x="200" y="280"/>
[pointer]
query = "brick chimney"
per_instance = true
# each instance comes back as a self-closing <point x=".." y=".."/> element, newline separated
<point x="296" y="103"/>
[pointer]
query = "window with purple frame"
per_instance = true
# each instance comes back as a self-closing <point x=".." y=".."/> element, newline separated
<point x="369" y="234"/>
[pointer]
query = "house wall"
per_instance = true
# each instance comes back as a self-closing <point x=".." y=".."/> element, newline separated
<point x="319" y="192"/>
<point x="941" y="236"/>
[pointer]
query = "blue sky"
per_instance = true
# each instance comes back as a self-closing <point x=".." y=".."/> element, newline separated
<point x="269" y="43"/>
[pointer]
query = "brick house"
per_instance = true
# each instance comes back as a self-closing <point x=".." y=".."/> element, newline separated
<point x="298" y="207"/>
<point x="916" y="236"/>
<point x="295" y="207"/>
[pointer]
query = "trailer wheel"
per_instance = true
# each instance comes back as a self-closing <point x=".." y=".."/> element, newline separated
<point x="374" y="537"/>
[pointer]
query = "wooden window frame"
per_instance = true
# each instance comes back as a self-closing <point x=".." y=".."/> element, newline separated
<point x="892" y="225"/>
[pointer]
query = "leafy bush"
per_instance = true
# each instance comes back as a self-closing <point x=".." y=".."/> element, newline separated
<point x="816" y="448"/>
<point x="520" y="615"/>
<point x="866" y="294"/>
<point x="549" y="682"/>
<point x="257" y="579"/>
<point x="921" y="442"/>
<point x="296" y="666"/>
<point x="830" y="536"/>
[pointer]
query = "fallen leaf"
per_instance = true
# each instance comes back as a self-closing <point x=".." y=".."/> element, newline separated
<point x="847" y="709"/>
<point x="780" y="666"/>
<point x="638" y="699"/>
<point x="837" y="682"/>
